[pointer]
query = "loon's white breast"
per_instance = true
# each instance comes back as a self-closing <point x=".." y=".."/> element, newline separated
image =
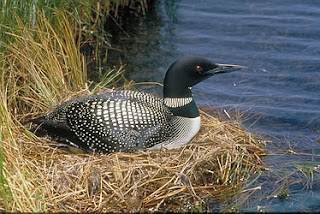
<point x="186" y="129"/>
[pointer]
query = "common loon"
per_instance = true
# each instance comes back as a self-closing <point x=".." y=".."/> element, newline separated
<point x="128" y="120"/>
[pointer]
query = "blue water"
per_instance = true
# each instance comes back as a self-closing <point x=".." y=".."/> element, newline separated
<point x="278" y="94"/>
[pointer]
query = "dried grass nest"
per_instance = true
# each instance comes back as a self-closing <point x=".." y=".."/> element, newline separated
<point x="217" y="161"/>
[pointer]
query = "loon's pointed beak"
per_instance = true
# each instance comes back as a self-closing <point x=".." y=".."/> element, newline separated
<point x="226" y="68"/>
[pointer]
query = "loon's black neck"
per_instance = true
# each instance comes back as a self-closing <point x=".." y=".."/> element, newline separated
<point x="180" y="102"/>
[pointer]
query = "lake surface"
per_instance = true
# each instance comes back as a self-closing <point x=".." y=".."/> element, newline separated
<point x="278" y="95"/>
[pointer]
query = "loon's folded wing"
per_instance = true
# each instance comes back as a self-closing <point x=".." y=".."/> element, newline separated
<point x="118" y="121"/>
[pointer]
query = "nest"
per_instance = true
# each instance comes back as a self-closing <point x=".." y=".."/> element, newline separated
<point x="214" y="164"/>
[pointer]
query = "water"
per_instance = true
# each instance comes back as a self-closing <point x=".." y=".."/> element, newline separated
<point x="279" y="92"/>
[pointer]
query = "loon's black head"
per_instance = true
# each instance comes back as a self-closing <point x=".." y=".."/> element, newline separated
<point x="189" y="71"/>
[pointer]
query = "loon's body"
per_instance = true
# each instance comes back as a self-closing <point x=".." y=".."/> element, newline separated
<point x="127" y="120"/>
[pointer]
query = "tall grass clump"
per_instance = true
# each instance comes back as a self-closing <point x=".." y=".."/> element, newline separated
<point x="40" y="67"/>
<point x="92" y="15"/>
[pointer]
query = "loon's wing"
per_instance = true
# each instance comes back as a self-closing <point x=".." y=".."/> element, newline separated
<point x="118" y="121"/>
<point x="59" y="132"/>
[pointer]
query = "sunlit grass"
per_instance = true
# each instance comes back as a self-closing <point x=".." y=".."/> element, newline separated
<point x="36" y="73"/>
<point x="92" y="16"/>
<point x="41" y="67"/>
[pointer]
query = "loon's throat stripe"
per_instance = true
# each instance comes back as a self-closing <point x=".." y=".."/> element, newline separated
<point x="177" y="102"/>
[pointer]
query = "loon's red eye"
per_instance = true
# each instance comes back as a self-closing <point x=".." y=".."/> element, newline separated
<point x="199" y="68"/>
